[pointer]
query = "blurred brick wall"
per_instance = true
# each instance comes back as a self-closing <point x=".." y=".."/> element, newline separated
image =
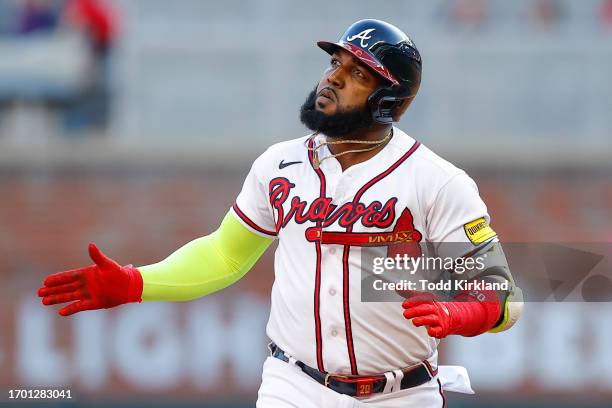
<point x="47" y="218"/>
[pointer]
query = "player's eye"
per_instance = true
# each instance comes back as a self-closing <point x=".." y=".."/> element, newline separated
<point x="359" y="73"/>
<point x="334" y="62"/>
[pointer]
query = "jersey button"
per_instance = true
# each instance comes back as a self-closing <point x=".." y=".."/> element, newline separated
<point x="332" y="292"/>
<point x="334" y="332"/>
<point x="332" y="251"/>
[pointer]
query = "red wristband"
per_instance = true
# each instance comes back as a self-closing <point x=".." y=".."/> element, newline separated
<point x="478" y="312"/>
<point x="135" y="286"/>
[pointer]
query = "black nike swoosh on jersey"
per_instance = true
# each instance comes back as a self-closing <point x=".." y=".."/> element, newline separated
<point x="282" y="164"/>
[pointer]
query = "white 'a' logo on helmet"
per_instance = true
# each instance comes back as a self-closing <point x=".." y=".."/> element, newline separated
<point x="364" y="35"/>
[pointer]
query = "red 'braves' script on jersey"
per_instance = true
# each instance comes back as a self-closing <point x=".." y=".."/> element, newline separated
<point x="376" y="214"/>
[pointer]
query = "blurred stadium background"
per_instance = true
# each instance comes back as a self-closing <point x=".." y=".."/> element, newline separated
<point x="133" y="123"/>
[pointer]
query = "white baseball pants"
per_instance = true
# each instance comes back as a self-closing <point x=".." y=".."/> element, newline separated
<point x="285" y="385"/>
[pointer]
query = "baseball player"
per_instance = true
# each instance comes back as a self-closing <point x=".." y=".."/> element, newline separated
<point x="326" y="197"/>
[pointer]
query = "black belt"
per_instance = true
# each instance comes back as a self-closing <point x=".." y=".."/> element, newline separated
<point x="357" y="385"/>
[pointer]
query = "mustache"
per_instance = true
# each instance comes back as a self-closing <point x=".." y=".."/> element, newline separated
<point x="330" y="89"/>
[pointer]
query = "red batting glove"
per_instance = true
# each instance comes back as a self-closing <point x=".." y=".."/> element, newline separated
<point x="466" y="316"/>
<point x="100" y="286"/>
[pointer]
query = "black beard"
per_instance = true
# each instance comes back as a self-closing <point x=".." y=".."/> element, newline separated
<point x="337" y="125"/>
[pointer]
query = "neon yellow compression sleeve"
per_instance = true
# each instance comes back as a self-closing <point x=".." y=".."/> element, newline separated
<point x="204" y="265"/>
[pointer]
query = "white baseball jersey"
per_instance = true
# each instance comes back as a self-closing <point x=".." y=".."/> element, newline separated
<point x="317" y="315"/>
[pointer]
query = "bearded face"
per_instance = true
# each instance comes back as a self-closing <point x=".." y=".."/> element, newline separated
<point x="337" y="124"/>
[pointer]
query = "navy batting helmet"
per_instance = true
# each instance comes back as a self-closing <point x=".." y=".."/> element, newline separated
<point x="391" y="54"/>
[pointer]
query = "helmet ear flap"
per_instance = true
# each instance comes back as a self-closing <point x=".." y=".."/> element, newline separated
<point x="384" y="103"/>
<point x="388" y="103"/>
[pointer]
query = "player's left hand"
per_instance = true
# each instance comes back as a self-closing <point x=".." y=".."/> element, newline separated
<point x="465" y="315"/>
<point x="437" y="317"/>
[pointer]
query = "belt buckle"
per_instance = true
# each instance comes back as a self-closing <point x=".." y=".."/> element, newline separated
<point x="326" y="380"/>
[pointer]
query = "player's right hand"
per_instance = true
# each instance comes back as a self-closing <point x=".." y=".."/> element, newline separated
<point x="103" y="285"/>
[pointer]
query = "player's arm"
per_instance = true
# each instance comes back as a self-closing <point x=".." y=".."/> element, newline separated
<point x="458" y="219"/>
<point x="206" y="264"/>
<point x="202" y="266"/>
<point x="472" y="311"/>
<point x="494" y="269"/>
